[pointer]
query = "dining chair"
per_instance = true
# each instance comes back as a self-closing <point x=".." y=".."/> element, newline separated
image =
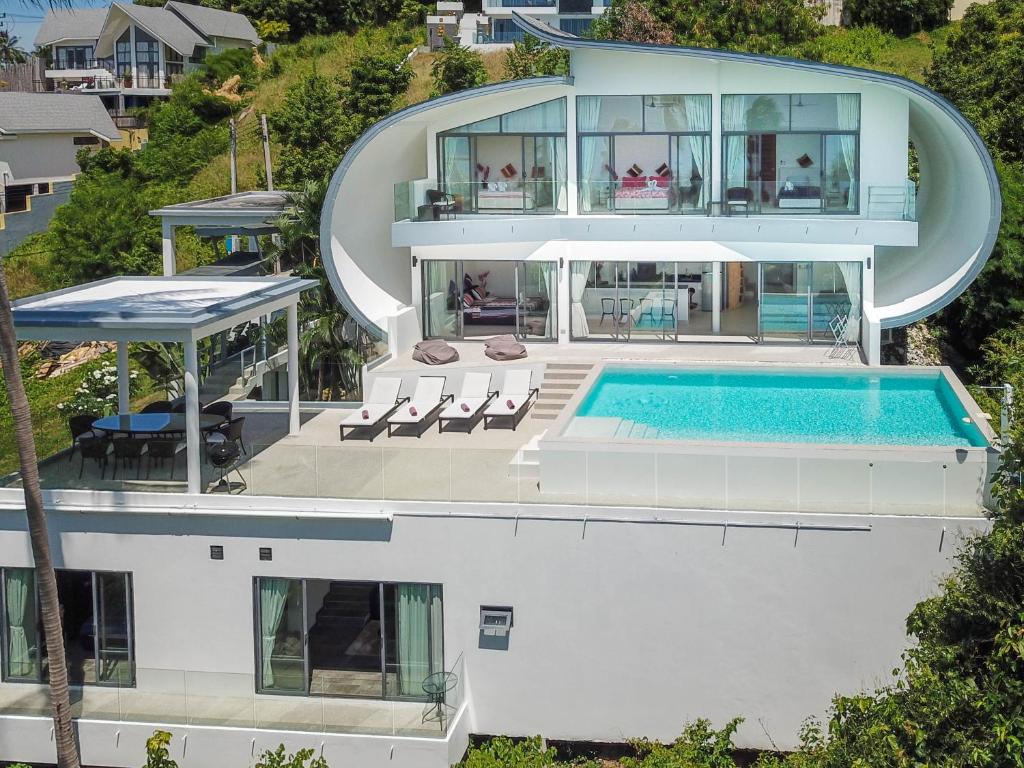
<point x="162" y="449"/>
<point x="160" y="406"/>
<point x="607" y="308"/>
<point x="221" y="408"/>
<point x="81" y="428"/>
<point x="229" y="433"/>
<point x="128" y="451"/>
<point x="95" y="448"/>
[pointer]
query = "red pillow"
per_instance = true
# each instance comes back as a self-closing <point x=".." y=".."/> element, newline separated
<point x="634" y="182"/>
<point x="661" y="181"/>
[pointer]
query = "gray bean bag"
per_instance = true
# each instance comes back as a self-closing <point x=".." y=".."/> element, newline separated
<point x="504" y="348"/>
<point x="435" y="352"/>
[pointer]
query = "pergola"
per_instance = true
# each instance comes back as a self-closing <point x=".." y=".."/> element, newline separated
<point x="179" y="310"/>
<point x="243" y="213"/>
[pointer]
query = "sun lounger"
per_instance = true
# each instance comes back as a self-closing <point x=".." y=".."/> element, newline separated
<point x="514" y="399"/>
<point x="382" y="402"/>
<point x="468" y="407"/>
<point x="427" y="400"/>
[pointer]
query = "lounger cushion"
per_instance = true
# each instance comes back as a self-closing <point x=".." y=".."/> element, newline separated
<point x="435" y="352"/>
<point x="405" y="415"/>
<point x="455" y="410"/>
<point x="375" y="411"/>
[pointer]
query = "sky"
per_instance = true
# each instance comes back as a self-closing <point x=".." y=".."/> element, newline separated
<point x="23" y="17"/>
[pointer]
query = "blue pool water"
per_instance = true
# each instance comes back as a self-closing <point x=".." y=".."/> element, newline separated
<point x="783" y="406"/>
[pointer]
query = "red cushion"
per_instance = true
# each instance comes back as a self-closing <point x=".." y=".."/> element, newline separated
<point x="634" y="182"/>
<point x="661" y="181"/>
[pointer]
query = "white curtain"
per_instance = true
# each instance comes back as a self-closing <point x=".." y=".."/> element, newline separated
<point x="698" y="118"/>
<point x="436" y="630"/>
<point x="19" y="592"/>
<point x="578" y="286"/>
<point x="414" y="646"/>
<point x="273" y="599"/>
<point x="734" y="118"/>
<point x="456" y="165"/>
<point x="588" y="116"/>
<point x="851" y="277"/>
<point x="848" y="105"/>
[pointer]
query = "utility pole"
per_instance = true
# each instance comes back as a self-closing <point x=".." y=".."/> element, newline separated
<point x="234" y="156"/>
<point x="266" y="153"/>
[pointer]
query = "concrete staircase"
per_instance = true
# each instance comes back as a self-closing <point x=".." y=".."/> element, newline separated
<point x="561" y="380"/>
<point x="346" y="610"/>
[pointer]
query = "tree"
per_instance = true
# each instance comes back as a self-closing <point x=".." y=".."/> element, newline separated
<point x="376" y="80"/>
<point x="979" y="70"/>
<point x="901" y="17"/>
<point x="311" y="128"/>
<point x="273" y="30"/>
<point x="530" y="57"/>
<point x="321" y="17"/>
<point x="46" y="578"/>
<point x="457" y="68"/>
<point x="633" y="21"/>
<point x="10" y="51"/>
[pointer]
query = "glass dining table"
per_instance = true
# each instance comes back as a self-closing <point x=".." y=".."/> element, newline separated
<point x="154" y="423"/>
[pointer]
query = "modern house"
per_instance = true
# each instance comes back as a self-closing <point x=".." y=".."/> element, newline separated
<point x="40" y="136"/>
<point x="572" y="16"/>
<point x="698" y="495"/>
<point x="128" y="54"/>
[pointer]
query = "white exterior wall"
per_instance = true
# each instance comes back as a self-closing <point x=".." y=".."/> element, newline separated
<point x="621" y="629"/>
<point x="41" y="157"/>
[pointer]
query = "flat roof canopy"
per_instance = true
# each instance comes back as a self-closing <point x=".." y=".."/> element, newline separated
<point x="251" y="212"/>
<point x="172" y="309"/>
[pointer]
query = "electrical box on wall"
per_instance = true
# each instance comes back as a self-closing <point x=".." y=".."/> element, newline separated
<point x="495" y="621"/>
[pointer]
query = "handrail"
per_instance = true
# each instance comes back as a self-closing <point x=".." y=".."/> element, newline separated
<point x="241" y="358"/>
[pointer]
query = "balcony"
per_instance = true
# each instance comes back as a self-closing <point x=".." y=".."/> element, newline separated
<point x="530" y="4"/>
<point x="189" y="698"/>
<point x="534" y="212"/>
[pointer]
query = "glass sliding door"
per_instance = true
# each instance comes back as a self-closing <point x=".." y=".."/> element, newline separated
<point x="455" y="175"/>
<point x="442" y="297"/>
<point x="652" y="294"/>
<point x="785" y="301"/>
<point x="113" y="628"/>
<point x="538" y="288"/>
<point x="835" y="300"/>
<point x="414" y="638"/>
<point x="281" y="636"/>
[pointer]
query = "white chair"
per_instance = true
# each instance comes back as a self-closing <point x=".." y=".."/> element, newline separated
<point x="468" y="407"/>
<point x="382" y="402"/>
<point x="514" y="399"/>
<point x="427" y="400"/>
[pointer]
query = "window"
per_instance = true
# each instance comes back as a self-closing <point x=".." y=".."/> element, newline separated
<point x="791" y="153"/>
<point x="505" y="31"/>
<point x="147" y="60"/>
<point x="98" y="627"/>
<point x="174" y="62"/>
<point x="644" y="154"/>
<point x="347" y="638"/>
<point x="73" y="57"/>
<point x="85" y="141"/>
<point x="509" y="163"/>
<point x="578" y="27"/>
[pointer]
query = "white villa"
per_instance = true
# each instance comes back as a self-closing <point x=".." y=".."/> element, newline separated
<point x="697" y="495"/>
<point x="128" y="54"/>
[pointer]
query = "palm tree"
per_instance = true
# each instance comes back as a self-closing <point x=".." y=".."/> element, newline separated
<point x="46" y="578"/>
<point x="10" y="52"/>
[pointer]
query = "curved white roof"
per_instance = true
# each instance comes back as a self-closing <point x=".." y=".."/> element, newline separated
<point x="958" y="205"/>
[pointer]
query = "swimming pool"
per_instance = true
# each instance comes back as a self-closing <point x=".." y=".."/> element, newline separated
<point x="906" y="408"/>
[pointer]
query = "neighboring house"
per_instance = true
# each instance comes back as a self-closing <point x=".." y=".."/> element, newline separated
<point x="713" y="507"/>
<point x="129" y="54"/>
<point x="495" y="26"/>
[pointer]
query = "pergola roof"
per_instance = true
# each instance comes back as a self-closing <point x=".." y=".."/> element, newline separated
<point x="173" y="309"/>
<point x="253" y="212"/>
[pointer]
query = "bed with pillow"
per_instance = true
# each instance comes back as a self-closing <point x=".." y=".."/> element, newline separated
<point x="498" y="310"/>
<point x="501" y="198"/>
<point x="798" y="192"/>
<point x="643" y="193"/>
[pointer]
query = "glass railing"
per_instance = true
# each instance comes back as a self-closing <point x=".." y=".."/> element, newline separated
<point x="520" y="3"/>
<point x="454" y="467"/>
<point x="644" y="196"/>
<point x="895" y="203"/>
<point x="167" y="697"/>
<point x="426" y="200"/>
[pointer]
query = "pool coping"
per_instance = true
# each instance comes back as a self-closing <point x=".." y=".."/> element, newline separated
<point x="555" y="437"/>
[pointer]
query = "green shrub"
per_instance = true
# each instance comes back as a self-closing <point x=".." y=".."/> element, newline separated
<point x="301" y="759"/>
<point x="157" y="753"/>
<point x="226" y="64"/>
<point x="457" y="68"/>
<point x="901" y="17"/>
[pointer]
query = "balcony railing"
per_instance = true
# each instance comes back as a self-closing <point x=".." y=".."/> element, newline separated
<point x="426" y="200"/>
<point x="896" y="203"/>
<point x="520" y="3"/>
<point x="82" y="64"/>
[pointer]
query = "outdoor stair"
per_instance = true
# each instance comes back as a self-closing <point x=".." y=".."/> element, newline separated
<point x="561" y="381"/>
<point x="345" y="611"/>
<point x="526" y="464"/>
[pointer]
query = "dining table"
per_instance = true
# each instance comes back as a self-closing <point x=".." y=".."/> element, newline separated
<point x="154" y="423"/>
